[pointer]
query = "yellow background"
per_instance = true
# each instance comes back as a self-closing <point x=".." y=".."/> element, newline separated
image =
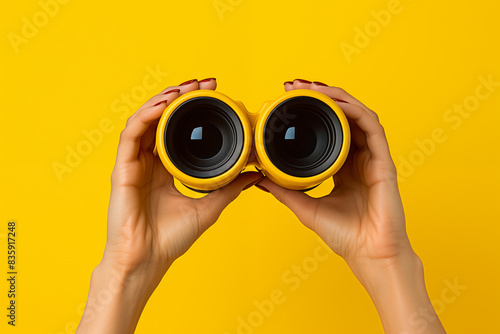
<point x="65" y="78"/>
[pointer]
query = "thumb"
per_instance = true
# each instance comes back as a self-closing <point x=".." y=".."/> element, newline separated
<point x="303" y="206"/>
<point x="213" y="204"/>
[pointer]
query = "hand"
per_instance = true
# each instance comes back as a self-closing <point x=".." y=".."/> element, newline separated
<point x="150" y="223"/>
<point x="362" y="220"/>
<point x="363" y="216"/>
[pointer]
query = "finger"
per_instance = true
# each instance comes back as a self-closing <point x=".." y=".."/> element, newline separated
<point x="188" y="86"/>
<point x="183" y="88"/>
<point x="357" y="135"/>
<point x="212" y="205"/>
<point x="349" y="170"/>
<point x="373" y="130"/>
<point x="148" y="138"/>
<point x="288" y="86"/>
<point x="167" y="90"/>
<point x="208" y="83"/>
<point x="154" y="100"/>
<point x="130" y="138"/>
<point x="301" y="84"/>
<point x="336" y="92"/>
<point x="302" y="205"/>
<point x="340" y="94"/>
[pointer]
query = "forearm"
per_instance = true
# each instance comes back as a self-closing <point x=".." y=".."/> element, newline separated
<point x="397" y="289"/>
<point x="115" y="302"/>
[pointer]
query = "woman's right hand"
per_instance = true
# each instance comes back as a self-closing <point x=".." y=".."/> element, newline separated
<point x="362" y="219"/>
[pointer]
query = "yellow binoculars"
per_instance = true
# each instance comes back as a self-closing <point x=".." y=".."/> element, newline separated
<point x="204" y="139"/>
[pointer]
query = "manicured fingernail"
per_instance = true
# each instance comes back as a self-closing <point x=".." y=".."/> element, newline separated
<point x="251" y="184"/>
<point x="188" y="82"/>
<point x="262" y="188"/>
<point x="157" y="104"/>
<point x="288" y="82"/>
<point x="303" y="81"/>
<point x="172" y="91"/>
<point x="207" y="80"/>
<point x="339" y="100"/>
<point x="319" y="83"/>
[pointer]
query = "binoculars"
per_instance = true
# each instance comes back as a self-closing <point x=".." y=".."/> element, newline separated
<point x="204" y="139"/>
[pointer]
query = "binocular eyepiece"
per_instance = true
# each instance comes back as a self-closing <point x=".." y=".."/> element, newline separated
<point x="204" y="139"/>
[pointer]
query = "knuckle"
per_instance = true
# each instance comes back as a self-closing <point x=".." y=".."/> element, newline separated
<point x="381" y="128"/>
<point x="279" y="198"/>
<point x="393" y="168"/>
<point x="123" y="135"/>
<point x="232" y="197"/>
<point x="114" y="177"/>
<point x="129" y="120"/>
<point x="223" y="195"/>
<point x="390" y="173"/>
<point x="340" y="90"/>
<point x="229" y="195"/>
<point x="165" y="90"/>
<point x="386" y="171"/>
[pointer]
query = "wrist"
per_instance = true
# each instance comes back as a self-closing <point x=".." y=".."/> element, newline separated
<point x="147" y="268"/>
<point x="397" y="288"/>
<point x="116" y="300"/>
<point x="137" y="281"/>
<point x="374" y="273"/>
<point x="117" y="281"/>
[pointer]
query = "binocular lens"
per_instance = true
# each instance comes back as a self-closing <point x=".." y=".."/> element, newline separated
<point x="204" y="141"/>
<point x="203" y="137"/>
<point x="303" y="136"/>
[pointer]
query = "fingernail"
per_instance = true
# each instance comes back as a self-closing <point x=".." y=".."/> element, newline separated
<point x="188" y="82"/>
<point x="157" y="104"/>
<point x="319" y="83"/>
<point x="288" y="82"/>
<point x="172" y="91"/>
<point x="206" y="80"/>
<point x="303" y="81"/>
<point x="339" y="100"/>
<point x="262" y="188"/>
<point x="252" y="183"/>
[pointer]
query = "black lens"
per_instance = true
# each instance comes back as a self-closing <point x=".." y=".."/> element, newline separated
<point x="204" y="140"/>
<point x="204" y="137"/>
<point x="303" y="136"/>
<point x="298" y="141"/>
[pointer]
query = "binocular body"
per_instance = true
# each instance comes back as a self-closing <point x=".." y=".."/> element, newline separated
<point x="204" y="139"/>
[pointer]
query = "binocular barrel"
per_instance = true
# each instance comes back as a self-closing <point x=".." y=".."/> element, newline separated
<point x="204" y="139"/>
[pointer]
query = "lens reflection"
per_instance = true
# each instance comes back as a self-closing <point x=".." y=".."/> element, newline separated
<point x="299" y="141"/>
<point x="205" y="141"/>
